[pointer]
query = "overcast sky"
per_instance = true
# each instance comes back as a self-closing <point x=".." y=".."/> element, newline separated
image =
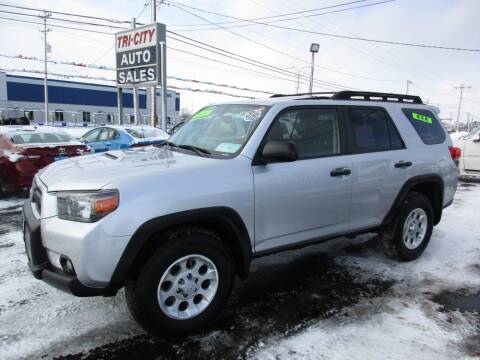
<point x="355" y="64"/>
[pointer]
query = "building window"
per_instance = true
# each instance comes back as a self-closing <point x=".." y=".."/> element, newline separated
<point x="109" y="118"/>
<point x="132" y="119"/>
<point x="86" y="116"/>
<point x="58" y="115"/>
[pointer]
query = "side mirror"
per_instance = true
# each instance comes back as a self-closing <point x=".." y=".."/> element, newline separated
<point x="278" y="151"/>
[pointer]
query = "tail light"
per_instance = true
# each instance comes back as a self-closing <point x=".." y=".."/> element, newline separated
<point x="455" y="152"/>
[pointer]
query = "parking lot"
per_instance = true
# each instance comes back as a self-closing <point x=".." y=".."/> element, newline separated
<point x="326" y="301"/>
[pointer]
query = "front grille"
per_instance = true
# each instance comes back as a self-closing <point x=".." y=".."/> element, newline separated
<point x="37" y="198"/>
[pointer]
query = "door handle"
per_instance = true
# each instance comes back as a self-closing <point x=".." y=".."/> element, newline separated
<point x="403" y="164"/>
<point x="108" y="144"/>
<point x="340" y="172"/>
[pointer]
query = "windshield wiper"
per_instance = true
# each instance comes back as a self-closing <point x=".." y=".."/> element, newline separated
<point x="198" y="150"/>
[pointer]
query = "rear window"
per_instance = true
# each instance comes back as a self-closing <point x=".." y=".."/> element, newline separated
<point x="40" y="138"/>
<point x="426" y="125"/>
<point x="145" y="133"/>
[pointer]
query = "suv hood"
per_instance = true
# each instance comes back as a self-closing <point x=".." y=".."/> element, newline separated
<point x="92" y="172"/>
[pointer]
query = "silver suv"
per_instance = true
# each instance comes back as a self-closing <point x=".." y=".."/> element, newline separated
<point x="174" y="224"/>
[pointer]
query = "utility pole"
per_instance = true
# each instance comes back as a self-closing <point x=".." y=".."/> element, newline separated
<point x="409" y="82"/>
<point x="153" y="89"/>
<point x="46" y="50"/>
<point x="135" y="89"/>
<point x="461" y="88"/>
<point x="298" y="81"/>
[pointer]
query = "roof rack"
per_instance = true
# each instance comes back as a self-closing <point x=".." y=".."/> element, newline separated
<point x="360" y="95"/>
<point x="376" y="96"/>
<point x="305" y="94"/>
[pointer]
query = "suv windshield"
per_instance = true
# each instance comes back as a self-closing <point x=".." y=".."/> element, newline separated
<point x="221" y="130"/>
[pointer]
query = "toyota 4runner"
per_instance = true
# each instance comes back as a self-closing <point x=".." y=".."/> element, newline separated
<point x="174" y="224"/>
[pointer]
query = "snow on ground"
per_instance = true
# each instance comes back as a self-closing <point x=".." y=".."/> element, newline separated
<point x="339" y="308"/>
<point x="407" y="323"/>
<point x="10" y="203"/>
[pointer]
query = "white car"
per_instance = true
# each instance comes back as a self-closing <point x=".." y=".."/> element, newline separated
<point x="469" y="165"/>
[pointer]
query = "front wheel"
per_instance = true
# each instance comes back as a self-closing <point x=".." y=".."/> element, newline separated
<point x="182" y="285"/>
<point x="410" y="233"/>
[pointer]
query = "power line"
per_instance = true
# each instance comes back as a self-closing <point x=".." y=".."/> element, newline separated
<point x="57" y="26"/>
<point x="290" y="18"/>
<point x="211" y="91"/>
<point x="324" y="83"/>
<point x="72" y="63"/>
<point x="280" y="15"/>
<point x="331" y="35"/>
<point x="263" y="45"/>
<point x="244" y="59"/>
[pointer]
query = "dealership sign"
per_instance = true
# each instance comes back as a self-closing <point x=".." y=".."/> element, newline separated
<point x="138" y="53"/>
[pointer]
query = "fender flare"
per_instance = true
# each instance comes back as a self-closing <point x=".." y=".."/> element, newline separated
<point x="143" y="235"/>
<point x="407" y="186"/>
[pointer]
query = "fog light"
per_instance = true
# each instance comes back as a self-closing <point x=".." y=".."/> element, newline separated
<point x="67" y="265"/>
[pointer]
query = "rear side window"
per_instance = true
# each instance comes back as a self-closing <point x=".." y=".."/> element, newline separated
<point x="371" y="131"/>
<point x="426" y="125"/>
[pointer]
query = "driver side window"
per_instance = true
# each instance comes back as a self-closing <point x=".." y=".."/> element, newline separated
<point x="315" y="132"/>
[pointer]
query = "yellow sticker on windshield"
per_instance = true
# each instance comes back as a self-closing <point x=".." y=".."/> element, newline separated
<point x="202" y="113"/>
<point x="420" y="117"/>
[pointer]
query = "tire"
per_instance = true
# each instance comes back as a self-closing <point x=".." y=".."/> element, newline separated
<point x="149" y="294"/>
<point x="404" y="243"/>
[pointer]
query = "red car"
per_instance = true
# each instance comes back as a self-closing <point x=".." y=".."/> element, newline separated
<point x="26" y="149"/>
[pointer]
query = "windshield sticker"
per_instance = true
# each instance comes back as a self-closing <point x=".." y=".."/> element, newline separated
<point x="420" y="117"/>
<point x="202" y="113"/>
<point x="254" y="114"/>
<point x="228" y="147"/>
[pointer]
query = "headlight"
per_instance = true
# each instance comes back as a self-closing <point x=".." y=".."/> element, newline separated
<point x="86" y="206"/>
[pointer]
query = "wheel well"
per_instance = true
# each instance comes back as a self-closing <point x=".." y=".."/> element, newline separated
<point x="223" y="222"/>
<point x="434" y="192"/>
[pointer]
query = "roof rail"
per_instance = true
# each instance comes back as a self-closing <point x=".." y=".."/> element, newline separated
<point x="304" y="94"/>
<point x="377" y="96"/>
<point x="359" y="95"/>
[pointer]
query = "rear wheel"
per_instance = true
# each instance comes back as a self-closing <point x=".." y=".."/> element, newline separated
<point x="410" y="233"/>
<point x="182" y="285"/>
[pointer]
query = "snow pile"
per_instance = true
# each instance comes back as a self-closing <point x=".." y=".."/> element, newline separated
<point x="407" y="323"/>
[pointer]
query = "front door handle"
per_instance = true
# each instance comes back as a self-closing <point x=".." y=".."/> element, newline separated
<point x="340" y="172"/>
<point x="403" y="164"/>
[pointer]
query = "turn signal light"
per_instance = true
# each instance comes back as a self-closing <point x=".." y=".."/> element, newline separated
<point x="106" y="205"/>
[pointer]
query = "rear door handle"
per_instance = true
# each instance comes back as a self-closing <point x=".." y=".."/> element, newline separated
<point x="403" y="164"/>
<point x="340" y="172"/>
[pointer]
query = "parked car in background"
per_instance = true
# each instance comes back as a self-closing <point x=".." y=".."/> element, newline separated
<point x="469" y="144"/>
<point x="107" y="138"/>
<point x="26" y="149"/>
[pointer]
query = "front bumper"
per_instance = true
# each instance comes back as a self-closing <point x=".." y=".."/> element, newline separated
<point x="40" y="266"/>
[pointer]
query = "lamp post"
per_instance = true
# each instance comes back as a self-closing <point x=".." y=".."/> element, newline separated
<point x="313" y="49"/>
